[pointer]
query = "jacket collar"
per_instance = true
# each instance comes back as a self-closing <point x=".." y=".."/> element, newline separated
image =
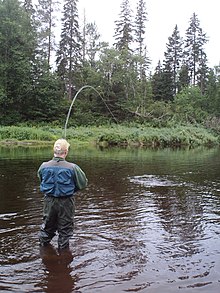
<point x="58" y="159"/>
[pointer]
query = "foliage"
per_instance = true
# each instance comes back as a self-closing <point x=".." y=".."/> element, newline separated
<point x="173" y="59"/>
<point x="69" y="53"/>
<point x="17" y="44"/>
<point x="139" y="25"/>
<point x="25" y="133"/>
<point x="113" y="134"/>
<point x="124" y="28"/>
<point x="188" y="106"/>
<point x="195" y="55"/>
<point x="181" y="90"/>
<point x="47" y="10"/>
<point x="154" y="137"/>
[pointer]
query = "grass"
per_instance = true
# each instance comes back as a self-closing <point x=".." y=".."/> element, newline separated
<point x="112" y="135"/>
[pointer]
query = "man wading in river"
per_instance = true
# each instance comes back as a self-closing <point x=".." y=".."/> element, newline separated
<point x="60" y="180"/>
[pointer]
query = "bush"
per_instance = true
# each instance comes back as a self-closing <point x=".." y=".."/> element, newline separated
<point x="25" y="133"/>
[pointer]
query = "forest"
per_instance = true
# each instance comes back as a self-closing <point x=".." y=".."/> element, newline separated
<point x="39" y="78"/>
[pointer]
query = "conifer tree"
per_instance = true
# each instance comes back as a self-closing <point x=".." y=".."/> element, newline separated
<point x="69" y="55"/>
<point x="139" y="32"/>
<point x="47" y="21"/>
<point x="162" y="83"/>
<point x="203" y="71"/>
<point x="92" y="42"/>
<point x="194" y="50"/>
<point x="184" y="78"/>
<point x="139" y="26"/>
<point x="174" y="56"/>
<point x="126" y="67"/>
<point x="212" y="93"/>
<point x="29" y="7"/>
<point x="124" y="28"/>
<point x="157" y="83"/>
<point x="168" y="82"/>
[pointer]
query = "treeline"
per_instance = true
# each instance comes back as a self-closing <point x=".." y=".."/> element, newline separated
<point x="38" y="80"/>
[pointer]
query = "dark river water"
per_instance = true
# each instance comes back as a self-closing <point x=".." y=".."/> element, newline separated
<point x="149" y="221"/>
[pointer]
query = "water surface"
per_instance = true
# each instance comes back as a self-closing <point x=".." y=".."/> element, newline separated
<point x="149" y="221"/>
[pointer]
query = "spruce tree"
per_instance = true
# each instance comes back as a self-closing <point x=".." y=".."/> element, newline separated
<point x="143" y="61"/>
<point x="174" y="56"/>
<point x="92" y="42"/>
<point x="195" y="56"/>
<point x="124" y="28"/>
<point x="168" y="83"/>
<point x="203" y="71"/>
<point x="184" y="78"/>
<point x="29" y="7"/>
<point x="140" y="25"/>
<point x="157" y="83"/>
<point x="162" y="83"/>
<point x="69" y="55"/>
<point x="212" y="105"/>
<point x="47" y="21"/>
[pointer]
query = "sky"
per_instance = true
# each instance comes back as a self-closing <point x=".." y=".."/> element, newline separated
<point x="163" y="16"/>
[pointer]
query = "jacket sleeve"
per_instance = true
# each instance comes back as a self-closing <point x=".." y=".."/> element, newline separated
<point x="39" y="173"/>
<point x="80" y="178"/>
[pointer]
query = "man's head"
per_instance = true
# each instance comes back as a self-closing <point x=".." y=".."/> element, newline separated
<point x="61" y="147"/>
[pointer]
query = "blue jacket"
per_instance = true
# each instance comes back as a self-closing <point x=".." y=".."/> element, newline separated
<point x="60" y="178"/>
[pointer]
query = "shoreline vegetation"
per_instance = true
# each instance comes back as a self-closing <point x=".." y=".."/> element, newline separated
<point x="111" y="135"/>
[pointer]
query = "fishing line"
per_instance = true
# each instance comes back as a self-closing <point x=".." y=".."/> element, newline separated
<point x="70" y="108"/>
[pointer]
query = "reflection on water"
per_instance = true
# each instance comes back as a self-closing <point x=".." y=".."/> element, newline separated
<point x="148" y="222"/>
<point x="57" y="270"/>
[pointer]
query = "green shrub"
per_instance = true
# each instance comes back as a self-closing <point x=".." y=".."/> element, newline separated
<point x="116" y="135"/>
<point x="25" y="133"/>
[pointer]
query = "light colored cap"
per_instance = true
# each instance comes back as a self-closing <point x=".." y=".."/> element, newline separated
<point x="61" y="145"/>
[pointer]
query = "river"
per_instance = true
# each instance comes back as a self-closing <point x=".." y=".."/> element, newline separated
<point x="149" y="221"/>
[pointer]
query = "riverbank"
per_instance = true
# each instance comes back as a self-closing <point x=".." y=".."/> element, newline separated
<point x="111" y="135"/>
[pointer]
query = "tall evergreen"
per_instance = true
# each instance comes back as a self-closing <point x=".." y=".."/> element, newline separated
<point x="212" y="93"/>
<point x="174" y="56"/>
<point x="157" y="83"/>
<point x="143" y="61"/>
<point x="162" y="83"/>
<point x="168" y="83"/>
<point x="47" y="22"/>
<point x="92" y="42"/>
<point x="203" y="72"/>
<point x="194" y="50"/>
<point x="69" y="54"/>
<point x="29" y="7"/>
<point x="184" y="78"/>
<point x="124" y="28"/>
<point x="140" y="25"/>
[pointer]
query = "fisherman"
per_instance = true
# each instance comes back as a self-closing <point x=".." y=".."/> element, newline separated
<point x="59" y="181"/>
